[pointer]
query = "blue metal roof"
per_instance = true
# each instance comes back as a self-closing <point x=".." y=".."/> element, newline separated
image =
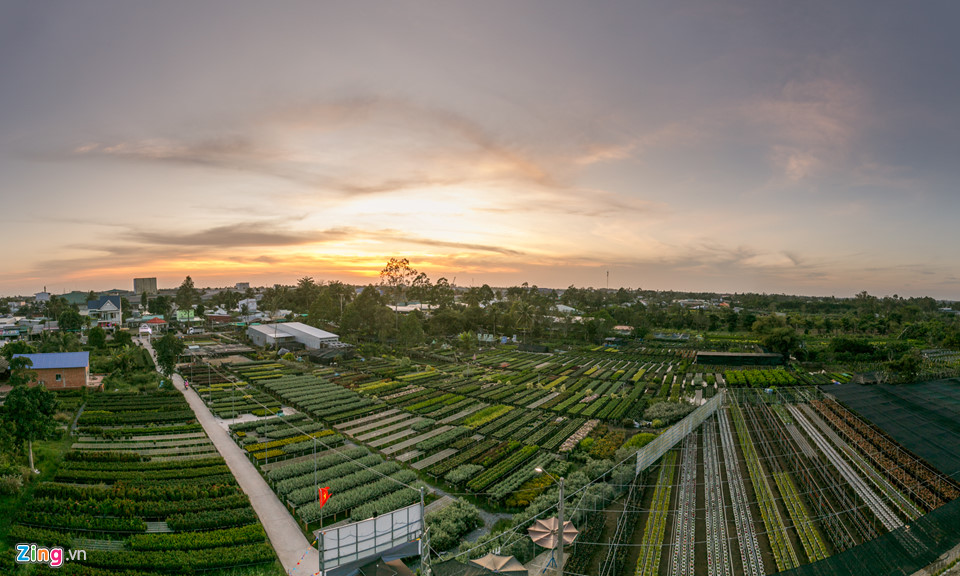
<point x="53" y="360"/>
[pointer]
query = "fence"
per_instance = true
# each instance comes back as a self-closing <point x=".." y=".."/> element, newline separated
<point x="664" y="442"/>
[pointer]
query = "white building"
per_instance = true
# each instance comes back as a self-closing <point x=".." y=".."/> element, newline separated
<point x="269" y="335"/>
<point x="106" y="310"/>
<point x="251" y="304"/>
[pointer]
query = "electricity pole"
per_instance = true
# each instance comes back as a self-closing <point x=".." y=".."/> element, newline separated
<point x="559" y="549"/>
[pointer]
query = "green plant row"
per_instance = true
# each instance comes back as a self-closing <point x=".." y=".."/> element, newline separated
<point x="132" y="508"/>
<point x="337" y="457"/>
<point x="502" y="469"/>
<point x="650" y="549"/>
<point x="183" y="561"/>
<point x="194" y="540"/>
<point x="212" y="519"/>
<point x="97" y="476"/>
<point x="442" y="468"/>
<point x="363" y="494"/>
<point x="67" y="521"/>
<point x="809" y="535"/>
<point x="783" y="552"/>
<point x="167" y="492"/>
<point x="325" y="474"/>
<point x="341" y="484"/>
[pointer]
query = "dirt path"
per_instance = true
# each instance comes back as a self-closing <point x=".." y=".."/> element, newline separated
<point x="295" y="552"/>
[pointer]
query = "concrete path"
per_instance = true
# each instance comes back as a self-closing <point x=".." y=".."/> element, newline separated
<point x="295" y="552"/>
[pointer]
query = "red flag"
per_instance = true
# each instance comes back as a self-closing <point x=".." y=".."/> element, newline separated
<point x="324" y="495"/>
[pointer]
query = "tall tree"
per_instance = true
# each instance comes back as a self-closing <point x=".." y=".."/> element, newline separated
<point x="20" y="372"/>
<point x="144" y="300"/>
<point x="70" y="320"/>
<point x="123" y="338"/>
<point x="397" y="276"/>
<point x="16" y="347"/>
<point x="168" y="351"/>
<point x="411" y="330"/>
<point x="187" y="294"/>
<point x="97" y="337"/>
<point x="304" y="294"/>
<point x="160" y="306"/>
<point x="30" y="411"/>
<point x="56" y="306"/>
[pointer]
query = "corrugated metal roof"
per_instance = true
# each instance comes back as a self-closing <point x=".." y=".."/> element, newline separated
<point x="57" y="360"/>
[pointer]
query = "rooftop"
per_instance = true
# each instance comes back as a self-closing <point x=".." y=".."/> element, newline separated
<point x="53" y="360"/>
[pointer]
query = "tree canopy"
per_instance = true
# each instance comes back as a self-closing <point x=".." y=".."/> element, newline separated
<point x="168" y="351"/>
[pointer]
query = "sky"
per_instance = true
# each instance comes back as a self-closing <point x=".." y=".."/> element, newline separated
<point x="726" y="146"/>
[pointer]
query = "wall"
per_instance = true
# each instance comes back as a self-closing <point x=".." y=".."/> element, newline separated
<point x="72" y="377"/>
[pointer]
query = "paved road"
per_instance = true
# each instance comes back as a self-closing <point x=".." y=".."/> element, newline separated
<point x="284" y="533"/>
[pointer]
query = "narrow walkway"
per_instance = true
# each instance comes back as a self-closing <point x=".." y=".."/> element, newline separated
<point x="284" y="533"/>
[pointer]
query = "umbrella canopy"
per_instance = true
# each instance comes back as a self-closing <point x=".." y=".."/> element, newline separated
<point x="500" y="564"/>
<point x="382" y="568"/>
<point x="544" y="532"/>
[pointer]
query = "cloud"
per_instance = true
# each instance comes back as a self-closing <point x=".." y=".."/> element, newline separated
<point x="335" y="151"/>
<point x="809" y="127"/>
<point x="241" y="234"/>
<point x="336" y="145"/>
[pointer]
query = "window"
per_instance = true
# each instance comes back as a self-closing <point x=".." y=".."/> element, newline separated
<point x="59" y="377"/>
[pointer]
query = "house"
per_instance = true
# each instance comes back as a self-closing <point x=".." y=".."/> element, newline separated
<point x="155" y="324"/>
<point x="60" y="369"/>
<point x="106" y="311"/>
<point x="268" y="335"/>
<point x="623" y="330"/>
<point x="250" y="303"/>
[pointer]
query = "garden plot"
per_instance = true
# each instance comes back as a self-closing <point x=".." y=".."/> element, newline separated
<point x="133" y="512"/>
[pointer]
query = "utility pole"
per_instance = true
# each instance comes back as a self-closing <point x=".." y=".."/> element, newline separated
<point x="425" y="553"/>
<point x="559" y="548"/>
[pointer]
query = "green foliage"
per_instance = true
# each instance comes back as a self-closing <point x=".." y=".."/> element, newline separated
<point x="30" y="411"/>
<point x="639" y="440"/>
<point x="17" y="347"/>
<point x="20" y="372"/>
<point x="70" y="320"/>
<point x="463" y="473"/>
<point x="122" y="338"/>
<point x="168" y="351"/>
<point x="160" y="305"/>
<point x="668" y="412"/>
<point x="451" y="523"/>
<point x="187" y="294"/>
<point x="97" y="337"/>
<point x="212" y="519"/>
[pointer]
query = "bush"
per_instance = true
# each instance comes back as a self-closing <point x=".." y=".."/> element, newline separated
<point x="668" y="412"/>
<point x="463" y="473"/>
<point x="450" y="524"/>
<point x="639" y="440"/>
<point x="10" y="484"/>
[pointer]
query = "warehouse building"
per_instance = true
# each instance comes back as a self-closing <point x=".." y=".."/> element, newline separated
<point x="292" y="335"/>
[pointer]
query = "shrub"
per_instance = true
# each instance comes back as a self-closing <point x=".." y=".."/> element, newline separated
<point x="668" y="412"/>
<point x="463" y="473"/>
<point x="448" y="525"/>
<point x="11" y="484"/>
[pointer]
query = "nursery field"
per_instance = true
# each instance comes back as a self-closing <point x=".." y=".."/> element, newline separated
<point x="142" y="490"/>
<point x="296" y="455"/>
<point x="773" y="482"/>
